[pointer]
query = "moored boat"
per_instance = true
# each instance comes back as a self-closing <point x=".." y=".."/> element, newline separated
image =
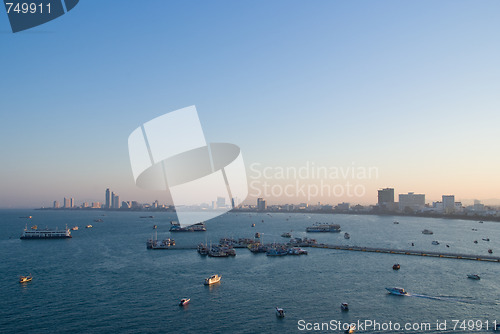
<point x="347" y="236"/>
<point x="34" y="227"/>
<point x="324" y="228"/>
<point x="435" y="242"/>
<point x="344" y="307"/>
<point x="198" y="227"/>
<point x="212" y="279"/>
<point x="397" y="291"/>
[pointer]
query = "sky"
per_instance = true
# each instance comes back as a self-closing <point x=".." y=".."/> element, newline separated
<point x="409" y="88"/>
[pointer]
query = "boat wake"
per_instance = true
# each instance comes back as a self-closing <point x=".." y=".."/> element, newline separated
<point x="459" y="299"/>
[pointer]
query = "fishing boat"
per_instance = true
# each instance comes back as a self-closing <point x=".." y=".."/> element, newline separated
<point x="25" y="279"/>
<point x="280" y="313"/>
<point x="184" y="301"/>
<point x="164" y="244"/>
<point x="277" y="251"/>
<point x="98" y="220"/>
<point x="473" y="276"/>
<point x="347" y="236"/>
<point x="397" y="291"/>
<point x="396" y="266"/>
<point x="202" y="249"/>
<point x="213" y="279"/>
<point x="344" y="307"/>
<point x="286" y="235"/>
<point x="297" y="251"/>
<point x="427" y="232"/>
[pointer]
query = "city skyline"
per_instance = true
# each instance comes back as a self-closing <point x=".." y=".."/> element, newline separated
<point x="407" y="88"/>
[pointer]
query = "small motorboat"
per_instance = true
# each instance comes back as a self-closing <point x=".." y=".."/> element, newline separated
<point x="475" y="241"/>
<point x="427" y="232"/>
<point x="25" y="279"/>
<point x="351" y="329"/>
<point x="486" y="239"/>
<point x="396" y="222"/>
<point x="257" y="235"/>
<point x="396" y="266"/>
<point x="473" y="276"/>
<point x="435" y="242"/>
<point x="397" y="291"/>
<point x="184" y="301"/>
<point x="481" y="222"/>
<point x="448" y="246"/>
<point x="74" y="228"/>
<point x="213" y="279"/>
<point x="88" y="226"/>
<point x="280" y="313"/>
<point x="253" y="225"/>
<point x="286" y="235"/>
<point x="347" y="236"/>
<point x="155" y="227"/>
<point x="490" y="251"/>
<point x="344" y="307"/>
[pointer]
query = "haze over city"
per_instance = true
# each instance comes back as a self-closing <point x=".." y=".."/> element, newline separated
<point x="410" y="90"/>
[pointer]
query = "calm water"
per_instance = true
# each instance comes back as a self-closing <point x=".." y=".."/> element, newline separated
<point x="105" y="280"/>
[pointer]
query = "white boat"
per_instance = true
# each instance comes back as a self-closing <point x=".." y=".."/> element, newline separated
<point x="435" y="242"/>
<point x="213" y="279"/>
<point x="184" y="301"/>
<point x="397" y="291"/>
<point x="427" y="232"/>
<point x="344" y="307"/>
<point x="88" y="226"/>
<point x="280" y="313"/>
<point x="74" y="228"/>
<point x="347" y="236"/>
<point x="473" y="276"/>
<point x="352" y="329"/>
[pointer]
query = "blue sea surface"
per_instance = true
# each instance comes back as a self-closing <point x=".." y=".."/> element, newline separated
<point x="104" y="280"/>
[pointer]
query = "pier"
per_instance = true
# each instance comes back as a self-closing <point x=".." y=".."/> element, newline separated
<point x="458" y="256"/>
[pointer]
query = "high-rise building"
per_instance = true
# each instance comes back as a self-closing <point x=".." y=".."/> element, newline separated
<point x="221" y="202"/>
<point x="448" y="203"/>
<point x="411" y="201"/>
<point x="71" y="202"/>
<point x="261" y="204"/>
<point x="385" y="196"/>
<point x="116" y="202"/>
<point x="66" y="202"/>
<point x="56" y="205"/>
<point x="107" y="204"/>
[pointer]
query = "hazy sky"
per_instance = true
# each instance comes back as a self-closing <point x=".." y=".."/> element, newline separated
<point x="409" y="87"/>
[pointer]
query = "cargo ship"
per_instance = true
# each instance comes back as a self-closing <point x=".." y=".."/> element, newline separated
<point x="46" y="234"/>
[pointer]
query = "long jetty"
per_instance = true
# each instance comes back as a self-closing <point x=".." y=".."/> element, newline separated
<point x="459" y="256"/>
